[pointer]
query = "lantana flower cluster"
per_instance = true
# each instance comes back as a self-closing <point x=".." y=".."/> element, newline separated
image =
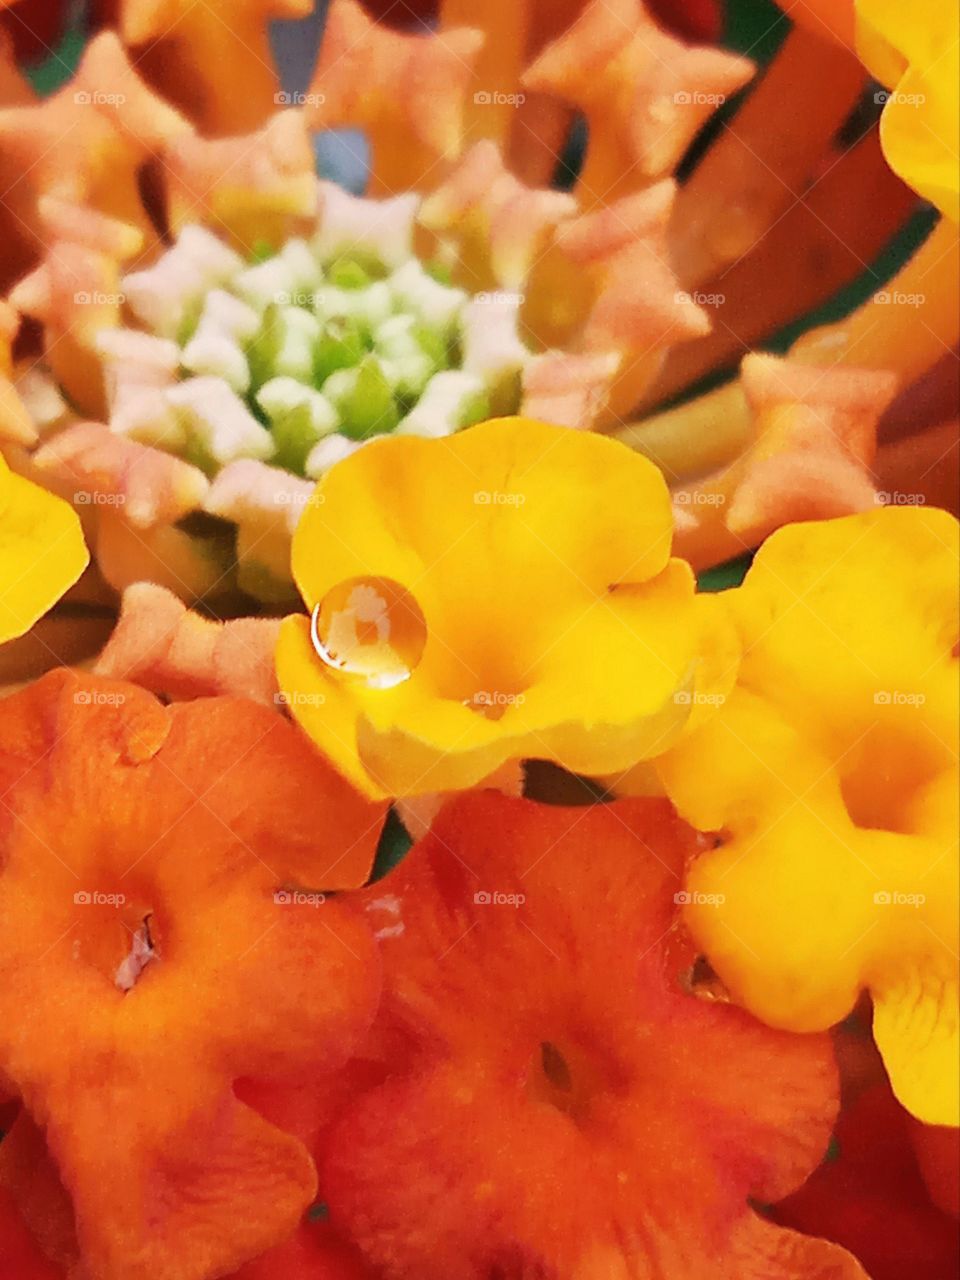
<point x="409" y="868"/>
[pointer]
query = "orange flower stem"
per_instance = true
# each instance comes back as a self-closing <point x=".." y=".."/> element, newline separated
<point x="694" y="438"/>
<point x="602" y="178"/>
<point x="399" y="162"/>
<point x="765" y="157"/>
<point x="539" y="135"/>
<point x="907" y="325"/>
<point x="822" y="244"/>
<point x="491" y="109"/>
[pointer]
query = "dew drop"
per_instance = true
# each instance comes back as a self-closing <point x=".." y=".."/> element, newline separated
<point x="370" y="629"/>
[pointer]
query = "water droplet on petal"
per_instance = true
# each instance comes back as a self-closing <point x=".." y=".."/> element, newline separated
<point x="370" y="629"/>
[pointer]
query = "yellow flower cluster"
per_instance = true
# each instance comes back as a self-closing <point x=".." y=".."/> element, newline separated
<point x="509" y="594"/>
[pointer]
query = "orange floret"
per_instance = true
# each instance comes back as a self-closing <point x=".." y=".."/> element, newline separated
<point x="37" y="1230"/>
<point x="558" y="1104"/>
<point x="158" y="943"/>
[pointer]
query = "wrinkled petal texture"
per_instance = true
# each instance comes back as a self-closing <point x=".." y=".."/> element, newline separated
<point x="154" y="949"/>
<point x="539" y="558"/>
<point x="568" y="1109"/>
<point x="831" y="776"/>
<point x="42" y="552"/>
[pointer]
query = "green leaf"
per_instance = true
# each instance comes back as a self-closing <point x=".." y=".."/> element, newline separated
<point x="395" y="844"/>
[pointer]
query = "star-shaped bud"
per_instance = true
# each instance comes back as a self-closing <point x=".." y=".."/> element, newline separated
<point x="619" y="258"/>
<point x="147" y="486"/>
<point x="165" y="295"/>
<point x="162" y="646"/>
<point x="137" y="370"/>
<point x="811" y="458"/>
<point x="817" y="435"/>
<point x="624" y="248"/>
<point x="570" y="390"/>
<point x="259" y="187"/>
<point x="407" y="92"/>
<point x="214" y="61"/>
<point x="351" y="224"/>
<point x="109" y="82"/>
<point x="498" y="224"/>
<point x="492" y="346"/>
<point x="645" y="93"/>
<point x="86" y="143"/>
<point x="76" y="292"/>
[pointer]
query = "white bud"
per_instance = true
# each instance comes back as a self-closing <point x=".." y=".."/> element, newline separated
<point x="445" y="405"/>
<point x="382" y="228"/>
<point x="215" y="417"/>
<point x="491" y="341"/>
<point x="437" y="305"/>
<point x="329" y="452"/>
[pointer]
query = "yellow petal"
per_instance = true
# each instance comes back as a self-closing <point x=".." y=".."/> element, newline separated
<point x="42" y="552"/>
<point x="533" y="508"/>
<point x="555" y="625"/>
<point x="851" y="625"/>
<point x="321" y="706"/>
<point x="916" y="1028"/>
<point x="916" y="52"/>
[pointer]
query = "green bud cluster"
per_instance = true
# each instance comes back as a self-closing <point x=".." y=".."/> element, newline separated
<point x="351" y="352"/>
